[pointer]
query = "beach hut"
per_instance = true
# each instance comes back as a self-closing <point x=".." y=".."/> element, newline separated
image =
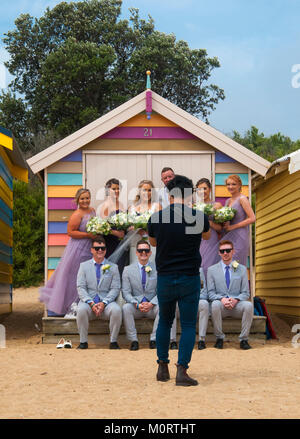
<point x="134" y="142"/>
<point x="278" y="236"/>
<point x="12" y="165"/>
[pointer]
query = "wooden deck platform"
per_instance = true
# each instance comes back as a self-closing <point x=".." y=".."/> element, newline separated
<point x="57" y="327"/>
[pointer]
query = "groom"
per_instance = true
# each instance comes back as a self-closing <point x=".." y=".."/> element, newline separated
<point x="228" y="290"/>
<point x="98" y="285"/>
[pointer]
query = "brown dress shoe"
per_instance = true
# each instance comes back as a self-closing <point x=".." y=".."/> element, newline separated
<point x="182" y="378"/>
<point x="163" y="372"/>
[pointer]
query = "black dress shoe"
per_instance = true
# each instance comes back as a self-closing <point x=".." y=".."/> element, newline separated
<point x="219" y="343"/>
<point x="152" y="344"/>
<point x="201" y="345"/>
<point x="83" y="345"/>
<point x="245" y="345"/>
<point x="134" y="346"/>
<point x="114" y="345"/>
<point x="173" y="345"/>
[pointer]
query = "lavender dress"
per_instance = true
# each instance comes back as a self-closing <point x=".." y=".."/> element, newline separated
<point x="209" y="248"/>
<point x="61" y="290"/>
<point x="239" y="237"/>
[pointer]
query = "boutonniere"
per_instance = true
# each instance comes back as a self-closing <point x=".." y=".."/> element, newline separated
<point x="235" y="265"/>
<point x="201" y="281"/>
<point x="148" y="269"/>
<point x="105" y="267"/>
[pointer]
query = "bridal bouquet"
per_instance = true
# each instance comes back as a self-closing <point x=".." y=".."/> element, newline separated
<point x="139" y="220"/>
<point x="208" y="209"/>
<point x="98" y="226"/>
<point x="119" y="221"/>
<point x="224" y="214"/>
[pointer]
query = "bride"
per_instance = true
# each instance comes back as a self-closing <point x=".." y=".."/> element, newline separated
<point x="144" y="202"/>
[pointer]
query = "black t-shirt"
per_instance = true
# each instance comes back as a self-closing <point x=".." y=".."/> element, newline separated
<point x="178" y="231"/>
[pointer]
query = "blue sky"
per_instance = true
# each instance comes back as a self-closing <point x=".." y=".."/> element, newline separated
<point x="257" y="43"/>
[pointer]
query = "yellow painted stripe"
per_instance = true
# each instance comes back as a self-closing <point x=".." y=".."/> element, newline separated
<point x="62" y="191"/>
<point x="6" y="234"/>
<point x="50" y="272"/>
<point x="141" y="121"/>
<point x="6" y="268"/>
<point x="20" y="173"/>
<point x="221" y="191"/>
<point x="6" y="189"/>
<point x="6" y="141"/>
<point x="5" y="308"/>
<point x="6" y="198"/>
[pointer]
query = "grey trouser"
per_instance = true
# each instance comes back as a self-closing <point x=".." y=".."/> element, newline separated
<point x="243" y="310"/>
<point x="203" y="318"/>
<point x="111" y="312"/>
<point x="130" y="313"/>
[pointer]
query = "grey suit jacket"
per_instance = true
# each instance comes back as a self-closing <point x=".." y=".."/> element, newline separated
<point x="109" y="285"/>
<point x="203" y="290"/>
<point x="132" y="289"/>
<point x="216" y="284"/>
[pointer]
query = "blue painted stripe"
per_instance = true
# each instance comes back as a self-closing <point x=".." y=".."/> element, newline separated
<point x="220" y="179"/>
<point x="53" y="263"/>
<point x="64" y="179"/>
<point x="223" y="158"/>
<point x="57" y="227"/>
<point x="5" y="248"/>
<point x="76" y="156"/>
<point x="5" y="131"/>
<point x="5" y="218"/>
<point x="6" y="209"/>
<point x="5" y="258"/>
<point x="5" y="174"/>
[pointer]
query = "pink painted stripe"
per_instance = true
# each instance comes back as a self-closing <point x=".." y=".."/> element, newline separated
<point x="221" y="200"/>
<point x="148" y="133"/>
<point x="61" y="203"/>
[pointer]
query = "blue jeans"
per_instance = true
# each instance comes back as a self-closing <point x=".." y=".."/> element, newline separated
<point x="185" y="290"/>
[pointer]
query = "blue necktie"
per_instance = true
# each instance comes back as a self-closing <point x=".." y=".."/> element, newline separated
<point x="143" y="277"/>
<point x="98" y="272"/>
<point x="227" y="276"/>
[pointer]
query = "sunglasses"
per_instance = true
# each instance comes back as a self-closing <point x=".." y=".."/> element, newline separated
<point x="102" y="248"/>
<point x="226" y="250"/>
<point x="141" y="250"/>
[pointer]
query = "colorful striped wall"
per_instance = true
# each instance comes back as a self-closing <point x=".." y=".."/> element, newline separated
<point x="64" y="179"/>
<point x="278" y="243"/>
<point x="65" y="176"/>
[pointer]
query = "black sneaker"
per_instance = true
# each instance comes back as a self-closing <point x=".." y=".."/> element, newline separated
<point x="114" y="345"/>
<point x="173" y="345"/>
<point x="201" y="345"/>
<point x="245" y="345"/>
<point x="152" y="344"/>
<point x="134" y="346"/>
<point x="219" y="343"/>
<point x="83" y="345"/>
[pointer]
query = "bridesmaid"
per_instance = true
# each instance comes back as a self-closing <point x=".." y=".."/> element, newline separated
<point x="109" y="207"/>
<point x="208" y="252"/>
<point x="237" y="230"/>
<point x="60" y="291"/>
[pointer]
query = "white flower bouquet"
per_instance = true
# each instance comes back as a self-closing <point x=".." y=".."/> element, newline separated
<point x="98" y="226"/>
<point x="119" y="221"/>
<point x="224" y="214"/>
<point x="139" y="220"/>
<point x="208" y="209"/>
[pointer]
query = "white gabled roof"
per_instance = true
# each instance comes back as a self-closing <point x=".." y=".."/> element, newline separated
<point x="161" y="106"/>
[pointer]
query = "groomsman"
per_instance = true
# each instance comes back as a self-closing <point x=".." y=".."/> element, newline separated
<point x="167" y="174"/>
<point x="228" y="289"/>
<point x="98" y="285"/>
<point x="203" y="310"/>
<point x="139" y="282"/>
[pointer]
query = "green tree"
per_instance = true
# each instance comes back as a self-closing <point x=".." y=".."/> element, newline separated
<point x="81" y="60"/>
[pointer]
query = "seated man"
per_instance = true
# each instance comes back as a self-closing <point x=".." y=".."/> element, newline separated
<point x="139" y="282"/>
<point x="228" y="290"/>
<point x="203" y="310"/>
<point x="98" y="285"/>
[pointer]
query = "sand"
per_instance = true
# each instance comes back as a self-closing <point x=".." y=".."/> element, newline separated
<point x="38" y="381"/>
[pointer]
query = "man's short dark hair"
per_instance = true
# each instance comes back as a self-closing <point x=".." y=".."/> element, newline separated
<point x="180" y="186"/>
<point x="142" y="241"/>
<point x="167" y="169"/>
<point x="99" y="239"/>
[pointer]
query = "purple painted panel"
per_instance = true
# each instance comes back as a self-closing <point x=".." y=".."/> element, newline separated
<point x="222" y="200"/>
<point x="223" y="158"/>
<point x="61" y="204"/>
<point x="148" y="133"/>
<point x="76" y="156"/>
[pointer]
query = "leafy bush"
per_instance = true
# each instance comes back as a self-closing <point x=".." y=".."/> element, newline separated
<point x="28" y="234"/>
